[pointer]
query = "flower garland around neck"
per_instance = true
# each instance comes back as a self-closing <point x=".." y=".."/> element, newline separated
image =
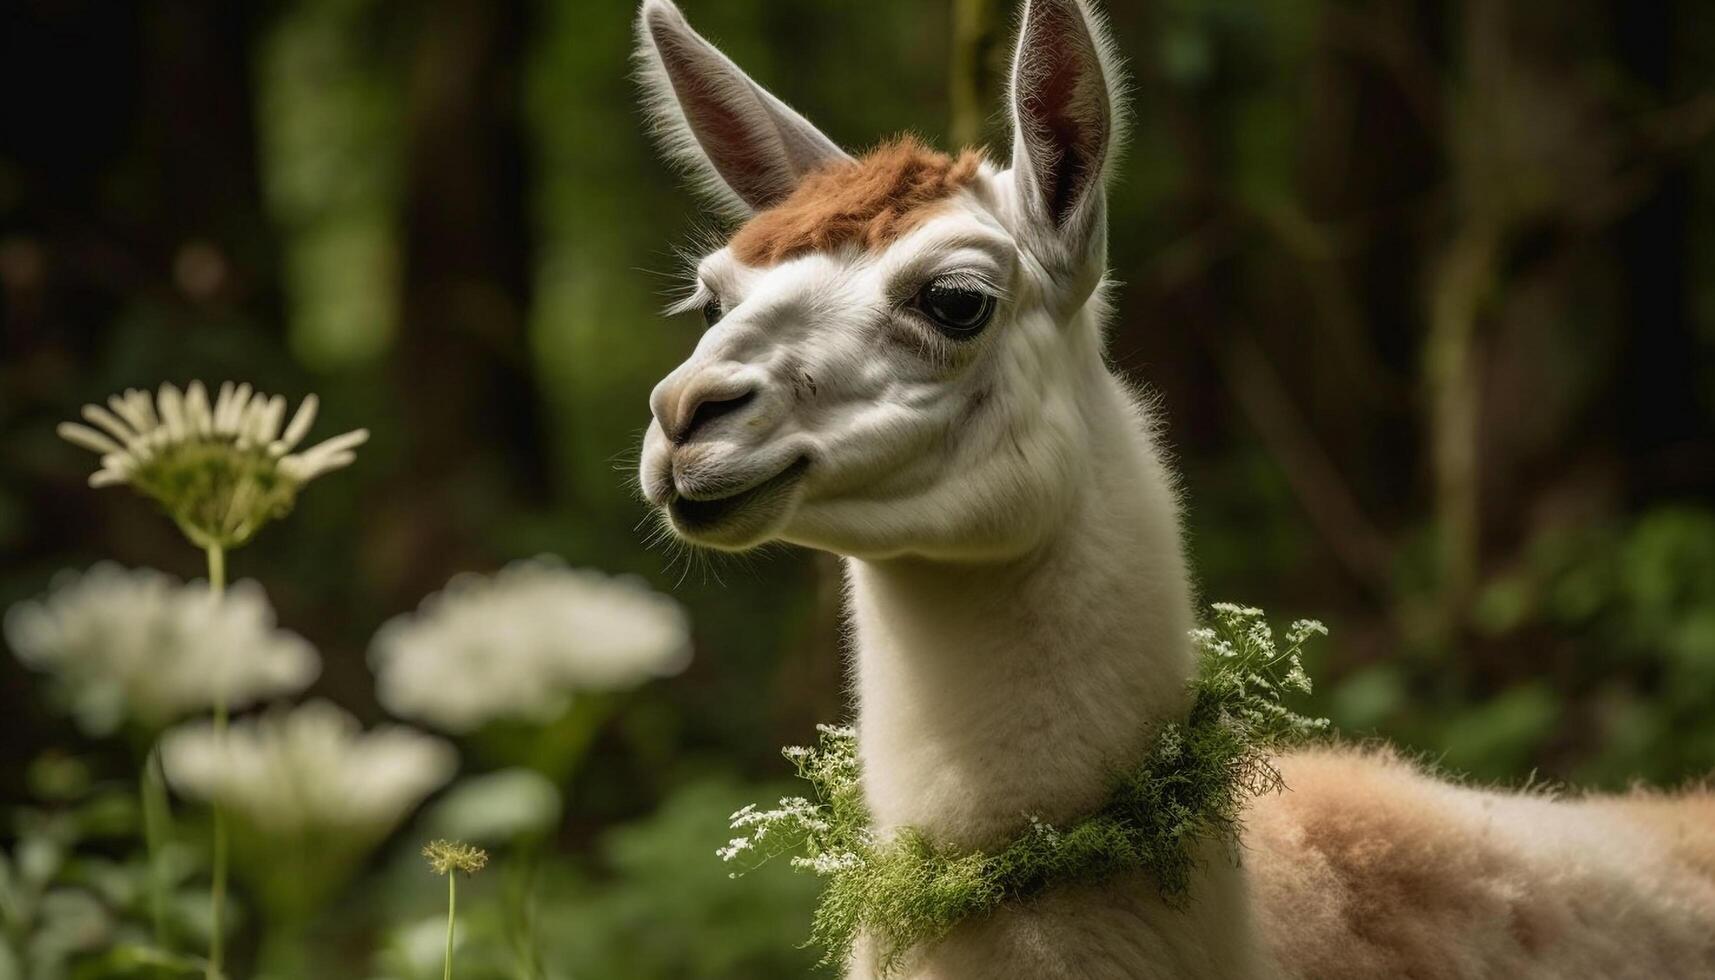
<point x="907" y="890"/>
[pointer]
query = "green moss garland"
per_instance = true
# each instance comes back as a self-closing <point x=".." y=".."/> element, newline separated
<point x="908" y="890"/>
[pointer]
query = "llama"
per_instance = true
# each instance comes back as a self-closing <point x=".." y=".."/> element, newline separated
<point x="904" y="366"/>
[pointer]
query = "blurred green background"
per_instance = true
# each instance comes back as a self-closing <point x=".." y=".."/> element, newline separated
<point x="1426" y="289"/>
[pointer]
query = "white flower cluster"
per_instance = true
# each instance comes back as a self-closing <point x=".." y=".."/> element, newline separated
<point x="134" y="429"/>
<point x="519" y="643"/>
<point x="824" y="843"/>
<point x="140" y="645"/>
<point x="309" y="768"/>
<point x="1241" y="636"/>
<point x="794" y="812"/>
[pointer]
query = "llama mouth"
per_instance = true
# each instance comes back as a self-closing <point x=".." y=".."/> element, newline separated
<point x="704" y="515"/>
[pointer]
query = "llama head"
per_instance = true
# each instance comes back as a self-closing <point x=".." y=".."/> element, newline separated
<point x="897" y="343"/>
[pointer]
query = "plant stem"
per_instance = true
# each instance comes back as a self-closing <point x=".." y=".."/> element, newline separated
<point x="452" y="905"/>
<point x="152" y="788"/>
<point x="217" y="569"/>
<point x="521" y="906"/>
<point x="217" y="889"/>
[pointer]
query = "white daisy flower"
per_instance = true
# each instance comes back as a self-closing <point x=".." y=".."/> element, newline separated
<point x="292" y="772"/>
<point x="220" y="469"/>
<point x="519" y="643"/>
<point x="141" y="645"/>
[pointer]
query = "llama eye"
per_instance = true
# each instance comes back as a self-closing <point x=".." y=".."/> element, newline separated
<point x="957" y="310"/>
<point x="713" y="311"/>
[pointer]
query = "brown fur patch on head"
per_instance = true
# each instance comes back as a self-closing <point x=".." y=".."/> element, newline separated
<point x="868" y="202"/>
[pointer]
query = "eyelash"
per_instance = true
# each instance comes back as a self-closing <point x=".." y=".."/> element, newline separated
<point x="962" y="279"/>
<point x="701" y="296"/>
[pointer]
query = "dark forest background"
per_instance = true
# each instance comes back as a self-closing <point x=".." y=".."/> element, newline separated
<point x="1426" y="289"/>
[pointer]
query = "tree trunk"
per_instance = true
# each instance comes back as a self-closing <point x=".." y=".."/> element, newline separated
<point x="465" y="385"/>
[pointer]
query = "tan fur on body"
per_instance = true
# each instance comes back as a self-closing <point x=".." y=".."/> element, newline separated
<point x="1367" y="867"/>
<point x="869" y="202"/>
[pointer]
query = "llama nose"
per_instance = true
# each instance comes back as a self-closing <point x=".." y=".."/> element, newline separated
<point x="699" y="405"/>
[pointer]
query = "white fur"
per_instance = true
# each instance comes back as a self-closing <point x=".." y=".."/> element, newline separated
<point x="1019" y="599"/>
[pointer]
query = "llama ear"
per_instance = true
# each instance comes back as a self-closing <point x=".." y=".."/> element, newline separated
<point x="1064" y="119"/>
<point x="746" y="147"/>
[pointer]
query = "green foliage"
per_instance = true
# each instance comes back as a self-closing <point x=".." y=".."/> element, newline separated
<point x="1638" y="602"/>
<point x="662" y="910"/>
<point x="1599" y="662"/>
<point x="1498" y="735"/>
<point x="645" y="903"/>
<point x="908" y="889"/>
<point x="68" y="908"/>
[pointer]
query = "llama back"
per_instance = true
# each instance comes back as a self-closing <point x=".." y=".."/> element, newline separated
<point x="1368" y="867"/>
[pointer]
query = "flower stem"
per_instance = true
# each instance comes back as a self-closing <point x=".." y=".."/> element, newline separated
<point x="452" y="905"/>
<point x="157" y="819"/>
<point x="217" y="569"/>
<point x="217" y="889"/>
<point x="521" y="906"/>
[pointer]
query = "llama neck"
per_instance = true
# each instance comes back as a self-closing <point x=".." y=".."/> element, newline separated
<point x="991" y="692"/>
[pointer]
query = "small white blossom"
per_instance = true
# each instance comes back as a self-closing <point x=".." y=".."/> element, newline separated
<point x="310" y="768"/>
<point x="141" y="645"/>
<point x="520" y="643"/>
<point x="1302" y="630"/>
<point x="1171" y="743"/>
<point x="220" y="469"/>
<point x="1042" y="830"/>
<point x="828" y="862"/>
<point x="1235" y="611"/>
<point x="1262" y="635"/>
